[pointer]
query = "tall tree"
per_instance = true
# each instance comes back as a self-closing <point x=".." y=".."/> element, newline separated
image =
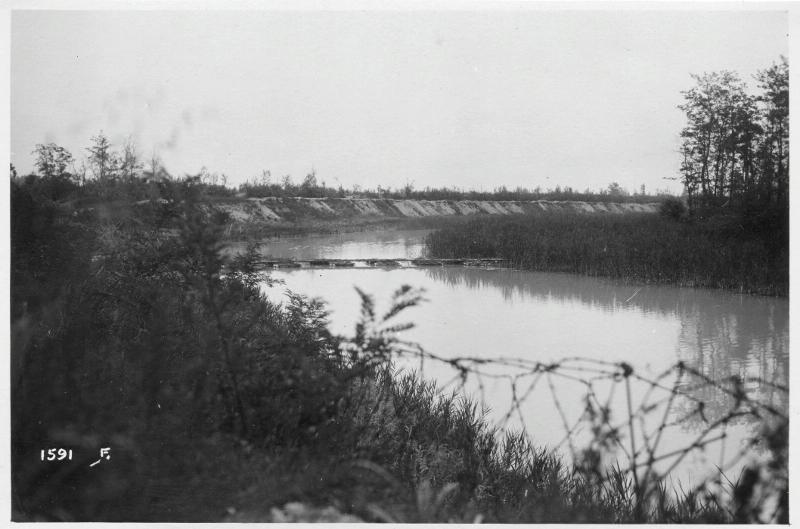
<point x="52" y="160"/>
<point x="102" y="159"/>
<point x="719" y="140"/>
<point x="130" y="165"/>
<point x="774" y="148"/>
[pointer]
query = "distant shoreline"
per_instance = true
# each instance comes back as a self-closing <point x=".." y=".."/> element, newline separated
<point x="297" y="215"/>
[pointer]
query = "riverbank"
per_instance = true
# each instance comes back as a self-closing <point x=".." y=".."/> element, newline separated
<point x="255" y="217"/>
<point x="720" y="252"/>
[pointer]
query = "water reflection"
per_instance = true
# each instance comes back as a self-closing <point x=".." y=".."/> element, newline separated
<point x="740" y="346"/>
<point x="609" y="295"/>
<point x="405" y="244"/>
<point x="721" y="335"/>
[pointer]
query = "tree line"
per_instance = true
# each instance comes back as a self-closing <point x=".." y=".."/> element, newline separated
<point x="735" y="154"/>
<point x="107" y="172"/>
<point x="265" y="186"/>
<point x="735" y="145"/>
<point x="102" y="162"/>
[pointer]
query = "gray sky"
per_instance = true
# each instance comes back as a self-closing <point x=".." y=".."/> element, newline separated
<point x="469" y="99"/>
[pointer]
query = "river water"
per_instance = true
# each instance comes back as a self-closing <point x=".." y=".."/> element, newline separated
<point x="544" y="317"/>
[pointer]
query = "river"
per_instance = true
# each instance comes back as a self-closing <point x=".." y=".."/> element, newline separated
<point x="545" y="317"/>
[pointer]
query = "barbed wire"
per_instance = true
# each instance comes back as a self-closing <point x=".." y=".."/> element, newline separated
<point x="637" y="436"/>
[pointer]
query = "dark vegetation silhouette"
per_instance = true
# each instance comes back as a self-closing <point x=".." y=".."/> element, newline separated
<point x="735" y="145"/>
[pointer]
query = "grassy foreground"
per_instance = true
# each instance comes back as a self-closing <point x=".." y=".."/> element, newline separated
<point x="135" y="334"/>
<point x="745" y="253"/>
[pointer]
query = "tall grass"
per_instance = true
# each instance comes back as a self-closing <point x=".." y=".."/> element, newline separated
<point x="720" y="252"/>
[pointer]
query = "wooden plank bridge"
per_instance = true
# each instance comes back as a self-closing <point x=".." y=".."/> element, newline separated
<point x="379" y="263"/>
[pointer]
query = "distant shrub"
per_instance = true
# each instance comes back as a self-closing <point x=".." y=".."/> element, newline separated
<point x="672" y="208"/>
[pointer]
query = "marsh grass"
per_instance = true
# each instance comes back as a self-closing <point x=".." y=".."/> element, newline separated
<point x="745" y="253"/>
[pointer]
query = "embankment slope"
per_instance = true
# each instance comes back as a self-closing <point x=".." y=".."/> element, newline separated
<point x="274" y="211"/>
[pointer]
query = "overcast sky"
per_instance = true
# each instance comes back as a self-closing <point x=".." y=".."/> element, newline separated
<point x="469" y="99"/>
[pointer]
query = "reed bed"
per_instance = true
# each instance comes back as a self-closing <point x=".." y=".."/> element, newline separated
<point x="721" y="252"/>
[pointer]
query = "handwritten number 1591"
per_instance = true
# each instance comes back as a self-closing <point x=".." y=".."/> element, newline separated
<point x="56" y="454"/>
